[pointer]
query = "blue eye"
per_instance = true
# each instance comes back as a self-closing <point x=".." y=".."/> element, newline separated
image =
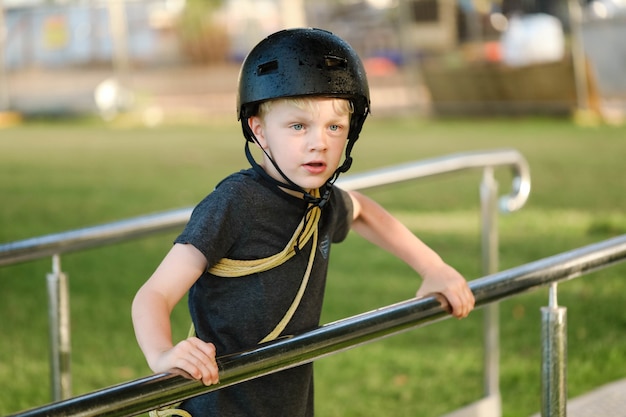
<point x="297" y="126"/>
<point x="334" y="128"/>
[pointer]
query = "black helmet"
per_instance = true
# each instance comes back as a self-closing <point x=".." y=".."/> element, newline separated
<point x="303" y="62"/>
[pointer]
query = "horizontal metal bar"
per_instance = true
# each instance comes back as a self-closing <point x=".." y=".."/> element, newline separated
<point x="453" y="163"/>
<point x="88" y="237"/>
<point x="142" y="395"/>
<point x="74" y="240"/>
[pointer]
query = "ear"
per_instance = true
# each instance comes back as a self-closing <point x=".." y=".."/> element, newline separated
<point x="256" y="126"/>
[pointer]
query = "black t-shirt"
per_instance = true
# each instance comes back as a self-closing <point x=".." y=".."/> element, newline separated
<point x="244" y="218"/>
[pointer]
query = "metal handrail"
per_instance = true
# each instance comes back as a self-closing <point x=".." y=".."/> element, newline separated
<point x="148" y="393"/>
<point x="453" y="163"/>
<point x="93" y="236"/>
<point x="74" y="240"/>
<point x="56" y="244"/>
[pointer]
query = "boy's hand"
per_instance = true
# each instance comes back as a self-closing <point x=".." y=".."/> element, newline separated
<point x="193" y="356"/>
<point x="446" y="281"/>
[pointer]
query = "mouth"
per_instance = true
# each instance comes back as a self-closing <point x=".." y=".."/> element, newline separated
<point x="315" y="167"/>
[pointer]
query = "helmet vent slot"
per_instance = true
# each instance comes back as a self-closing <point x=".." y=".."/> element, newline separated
<point x="335" y="62"/>
<point x="267" y="67"/>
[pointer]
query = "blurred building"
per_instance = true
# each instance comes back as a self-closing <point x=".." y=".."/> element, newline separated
<point x="461" y="56"/>
<point x="44" y="34"/>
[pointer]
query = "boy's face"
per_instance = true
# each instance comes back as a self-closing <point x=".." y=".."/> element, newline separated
<point x="306" y="143"/>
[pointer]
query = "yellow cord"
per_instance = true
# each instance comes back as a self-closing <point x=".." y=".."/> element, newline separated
<point x="169" y="411"/>
<point x="229" y="268"/>
<point x="296" y="301"/>
<point x="237" y="268"/>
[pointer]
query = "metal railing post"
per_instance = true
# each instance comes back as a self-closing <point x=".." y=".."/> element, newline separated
<point x="490" y="258"/>
<point x="145" y="394"/>
<point x="59" y="325"/>
<point x="553" y="358"/>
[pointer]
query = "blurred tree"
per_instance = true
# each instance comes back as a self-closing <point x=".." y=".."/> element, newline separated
<point x="204" y="39"/>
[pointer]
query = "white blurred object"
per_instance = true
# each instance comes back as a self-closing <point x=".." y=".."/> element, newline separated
<point x="533" y="39"/>
<point x="605" y="9"/>
<point x="111" y="98"/>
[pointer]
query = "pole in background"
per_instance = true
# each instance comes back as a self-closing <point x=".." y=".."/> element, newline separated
<point x="119" y="35"/>
<point x="4" y="85"/>
<point x="7" y="117"/>
<point x="584" y="114"/>
<point x="114" y="94"/>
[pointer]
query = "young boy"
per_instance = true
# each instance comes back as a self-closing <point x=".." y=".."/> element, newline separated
<point x="254" y="254"/>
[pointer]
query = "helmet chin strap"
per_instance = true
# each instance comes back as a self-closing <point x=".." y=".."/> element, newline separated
<point x="289" y="184"/>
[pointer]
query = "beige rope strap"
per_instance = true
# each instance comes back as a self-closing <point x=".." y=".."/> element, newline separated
<point x="171" y="410"/>
<point x="296" y="301"/>
<point x="230" y="268"/>
<point x="236" y="268"/>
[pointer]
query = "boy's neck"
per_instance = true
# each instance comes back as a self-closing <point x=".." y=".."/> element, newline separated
<point x="294" y="193"/>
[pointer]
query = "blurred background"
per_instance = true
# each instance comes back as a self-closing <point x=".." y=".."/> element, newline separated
<point x="155" y="59"/>
<point x="441" y="66"/>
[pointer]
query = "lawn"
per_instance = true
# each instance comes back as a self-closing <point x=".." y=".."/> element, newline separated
<point x="57" y="176"/>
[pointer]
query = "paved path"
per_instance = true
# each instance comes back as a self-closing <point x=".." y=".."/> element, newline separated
<point x="606" y="401"/>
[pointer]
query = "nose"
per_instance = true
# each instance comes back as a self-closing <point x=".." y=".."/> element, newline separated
<point x="318" y="140"/>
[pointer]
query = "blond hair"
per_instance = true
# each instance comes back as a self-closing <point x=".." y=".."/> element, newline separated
<point x="340" y="105"/>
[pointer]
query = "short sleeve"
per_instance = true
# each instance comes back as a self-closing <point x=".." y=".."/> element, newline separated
<point x="342" y="214"/>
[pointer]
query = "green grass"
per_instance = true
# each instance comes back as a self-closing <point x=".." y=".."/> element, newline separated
<point x="61" y="176"/>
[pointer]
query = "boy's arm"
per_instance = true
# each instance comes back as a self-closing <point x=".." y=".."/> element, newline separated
<point x="151" y="311"/>
<point x="378" y="226"/>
